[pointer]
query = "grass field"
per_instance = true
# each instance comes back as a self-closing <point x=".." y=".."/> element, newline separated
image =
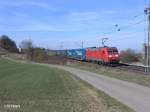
<point x="41" y="89"/>
<point x="118" y="74"/>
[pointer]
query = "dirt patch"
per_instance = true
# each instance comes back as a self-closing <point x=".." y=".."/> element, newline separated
<point x="56" y="60"/>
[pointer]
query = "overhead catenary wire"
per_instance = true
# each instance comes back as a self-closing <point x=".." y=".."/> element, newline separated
<point x="115" y="30"/>
<point x="138" y="15"/>
<point x="92" y="41"/>
<point x="118" y="28"/>
<point x="130" y="25"/>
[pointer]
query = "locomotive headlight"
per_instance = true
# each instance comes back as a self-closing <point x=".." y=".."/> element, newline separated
<point x="117" y="55"/>
<point x="110" y="56"/>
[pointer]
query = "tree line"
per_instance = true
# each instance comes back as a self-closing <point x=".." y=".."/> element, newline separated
<point x="25" y="47"/>
<point x="8" y="44"/>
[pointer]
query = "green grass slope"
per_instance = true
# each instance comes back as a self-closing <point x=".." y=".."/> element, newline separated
<point x="41" y="89"/>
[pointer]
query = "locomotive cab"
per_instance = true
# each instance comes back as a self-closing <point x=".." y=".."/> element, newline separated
<point x="113" y="55"/>
<point x="104" y="55"/>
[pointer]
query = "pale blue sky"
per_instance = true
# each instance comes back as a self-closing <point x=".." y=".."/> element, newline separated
<point x="50" y="22"/>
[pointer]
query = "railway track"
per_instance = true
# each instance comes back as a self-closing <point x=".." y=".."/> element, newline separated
<point x="120" y="66"/>
<point x="124" y="67"/>
<point x="133" y="68"/>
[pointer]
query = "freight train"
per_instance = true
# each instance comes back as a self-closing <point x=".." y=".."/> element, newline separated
<point x="101" y="55"/>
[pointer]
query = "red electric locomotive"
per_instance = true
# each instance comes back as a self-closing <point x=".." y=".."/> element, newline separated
<point x="105" y="55"/>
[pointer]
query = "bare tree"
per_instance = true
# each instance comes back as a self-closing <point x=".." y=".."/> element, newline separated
<point x="130" y="55"/>
<point x="27" y="47"/>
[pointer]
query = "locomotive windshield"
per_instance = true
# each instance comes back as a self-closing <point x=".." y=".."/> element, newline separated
<point x="112" y="52"/>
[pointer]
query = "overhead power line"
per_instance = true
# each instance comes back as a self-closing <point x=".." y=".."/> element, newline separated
<point x="130" y="25"/>
<point x="119" y="28"/>
<point x="138" y="15"/>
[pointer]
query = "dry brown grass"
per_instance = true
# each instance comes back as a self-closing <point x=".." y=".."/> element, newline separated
<point x="119" y="74"/>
